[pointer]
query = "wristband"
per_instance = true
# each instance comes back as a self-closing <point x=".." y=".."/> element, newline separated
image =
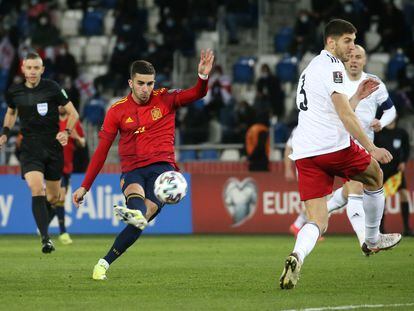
<point x="6" y="131"/>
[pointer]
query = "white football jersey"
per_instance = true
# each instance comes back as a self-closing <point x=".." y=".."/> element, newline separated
<point x="367" y="108"/>
<point x="319" y="129"/>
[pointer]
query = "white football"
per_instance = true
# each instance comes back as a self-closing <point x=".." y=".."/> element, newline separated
<point x="170" y="187"/>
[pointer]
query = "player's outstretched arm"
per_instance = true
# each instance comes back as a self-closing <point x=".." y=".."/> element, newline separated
<point x="365" y="88"/>
<point x="206" y="62"/>
<point x="353" y="126"/>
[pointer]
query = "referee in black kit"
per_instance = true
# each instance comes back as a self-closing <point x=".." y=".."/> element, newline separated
<point x="36" y="102"/>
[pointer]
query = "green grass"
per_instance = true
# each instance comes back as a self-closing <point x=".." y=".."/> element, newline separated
<point x="200" y="273"/>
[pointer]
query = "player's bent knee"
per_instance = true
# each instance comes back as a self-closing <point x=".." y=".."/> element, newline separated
<point x="134" y="189"/>
<point x="52" y="198"/>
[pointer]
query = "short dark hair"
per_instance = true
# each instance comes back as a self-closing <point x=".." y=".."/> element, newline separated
<point x="337" y="28"/>
<point x="32" y="55"/>
<point x="142" y="67"/>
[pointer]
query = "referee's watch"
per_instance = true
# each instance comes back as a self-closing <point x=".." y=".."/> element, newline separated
<point x="69" y="131"/>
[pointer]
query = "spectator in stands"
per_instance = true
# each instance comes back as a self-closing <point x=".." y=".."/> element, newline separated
<point x="323" y="10"/>
<point x="270" y="98"/>
<point x="161" y="58"/>
<point x="72" y="91"/>
<point x="65" y="63"/>
<point x="245" y="116"/>
<point x="219" y="91"/>
<point x="391" y="28"/>
<point x="45" y="33"/>
<point x="305" y="33"/>
<point x="257" y="147"/>
<point x="238" y="13"/>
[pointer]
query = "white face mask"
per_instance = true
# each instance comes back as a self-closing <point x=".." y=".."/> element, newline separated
<point x="304" y="18"/>
<point x="43" y="21"/>
<point x="121" y="46"/>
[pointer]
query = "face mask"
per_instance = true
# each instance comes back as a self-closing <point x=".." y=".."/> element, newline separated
<point x="121" y="46"/>
<point x="265" y="74"/>
<point x="43" y="21"/>
<point x="170" y="22"/>
<point x="348" y="8"/>
<point x="152" y="49"/>
<point x="304" y="18"/>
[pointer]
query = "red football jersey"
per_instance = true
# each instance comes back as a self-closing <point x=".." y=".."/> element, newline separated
<point x="146" y="130"/>
<point x="69" y="149"/>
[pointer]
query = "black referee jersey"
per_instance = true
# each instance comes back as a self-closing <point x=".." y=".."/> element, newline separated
<point x="37" y="107"/>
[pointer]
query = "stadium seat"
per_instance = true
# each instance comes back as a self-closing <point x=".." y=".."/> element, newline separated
<point x="397" y="63"/>
<point x="187" y="155"/>
<point x="76" y="47"/>
<point x="243" y="70"/>
<point x="287" y="69"/>
<point x="269" y="59"/>
<point x="92" y="23"/>
<point x="209" y="154"/>
<point x="230" y="155"/>
<point x="109" y="22"/>
<point x="283" y="39"/>
<point x="377" y="63"/>
<point x="97" y="49"/>
<point x="70" y="22"/>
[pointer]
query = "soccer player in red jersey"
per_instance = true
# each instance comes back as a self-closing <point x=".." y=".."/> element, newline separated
<point x="76" y="139"/>
<point x="145" y="120"/>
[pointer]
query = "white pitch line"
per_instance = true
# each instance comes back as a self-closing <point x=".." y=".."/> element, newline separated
<point x="354" y="307"/>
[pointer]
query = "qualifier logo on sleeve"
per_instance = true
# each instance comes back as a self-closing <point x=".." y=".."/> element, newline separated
<point x="337" y="77"/>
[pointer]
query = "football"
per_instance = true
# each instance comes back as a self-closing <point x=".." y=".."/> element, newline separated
<point x="170" y="187"/>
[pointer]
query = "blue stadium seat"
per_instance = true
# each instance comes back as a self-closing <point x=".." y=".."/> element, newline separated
<point x="188" y="155"/>
<point x="243" y="70"/>
<point x="396" y="65"/>
<point x="287" y="69"/>
<point x="92" y="23"/>
<point x="209" y="154"/>
<point x="283" y="39"/>
<point x="94" y="111"/>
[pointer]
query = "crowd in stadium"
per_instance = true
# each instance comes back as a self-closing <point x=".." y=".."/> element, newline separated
<point x="383" y="27"/>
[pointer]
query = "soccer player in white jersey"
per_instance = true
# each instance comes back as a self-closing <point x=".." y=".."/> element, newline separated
<point x="323" y="148"/>
<point x="351" y="194"/>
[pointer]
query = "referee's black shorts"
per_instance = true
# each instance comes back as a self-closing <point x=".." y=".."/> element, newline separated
<point x="43" y="156"/>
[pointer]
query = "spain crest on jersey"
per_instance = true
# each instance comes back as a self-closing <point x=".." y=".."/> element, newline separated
<point x="156" y="113"/>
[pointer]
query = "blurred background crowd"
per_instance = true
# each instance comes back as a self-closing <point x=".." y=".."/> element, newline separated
<point x="261" y="46"/>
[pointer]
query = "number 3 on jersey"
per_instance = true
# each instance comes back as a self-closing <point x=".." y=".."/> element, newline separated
<point x="303" y="105"/>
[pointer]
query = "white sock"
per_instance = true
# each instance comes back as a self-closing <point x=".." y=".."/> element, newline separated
<point x="306" y="240"/>
<point x="356" y="216"/>
<point x="373" y="203"/>
<point x="104" y="263"/>
<point x="300" y="220"/>
<point x="336" y="201"/>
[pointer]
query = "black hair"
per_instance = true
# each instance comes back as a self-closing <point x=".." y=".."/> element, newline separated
<point x="337" y="28"/>
<point x="32" y="55"/>
<point x="141" y="67"/>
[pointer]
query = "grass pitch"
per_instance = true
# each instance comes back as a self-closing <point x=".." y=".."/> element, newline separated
<point x="202" y="273"/>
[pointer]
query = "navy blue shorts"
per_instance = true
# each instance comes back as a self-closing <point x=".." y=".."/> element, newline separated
<point x="146" y="176"/>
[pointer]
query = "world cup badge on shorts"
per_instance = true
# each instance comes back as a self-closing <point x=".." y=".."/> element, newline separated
<point x="240" y="199"/>
<point x="42" y="108"/>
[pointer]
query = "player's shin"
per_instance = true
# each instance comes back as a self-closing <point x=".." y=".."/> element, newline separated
<point x="123" y="241"/>
<point x="356" y="216"/>
<point x="373" y="203"/>
<point x="336" y="201"/>
<point x="306" y="240"/>
<point x="40" y="215"/>
<point x="135" y="201"/>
